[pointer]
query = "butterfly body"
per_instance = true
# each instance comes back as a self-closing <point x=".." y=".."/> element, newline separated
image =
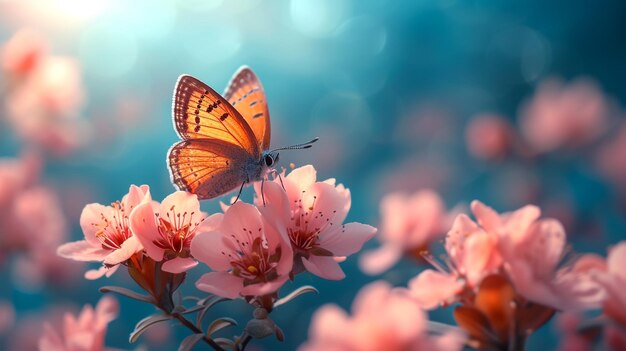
<point x="224" y="138"/>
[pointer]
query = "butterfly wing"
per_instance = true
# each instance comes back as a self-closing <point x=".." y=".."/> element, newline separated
<point x="246" y="94"/>
<point x="208" y="167"/>
<point x="201" y="113"/>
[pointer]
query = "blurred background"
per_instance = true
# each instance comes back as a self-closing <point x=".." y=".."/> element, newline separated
<point x="508" y="103"/>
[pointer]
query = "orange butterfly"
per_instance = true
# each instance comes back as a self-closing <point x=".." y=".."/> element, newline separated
<point x="224" y="139"/>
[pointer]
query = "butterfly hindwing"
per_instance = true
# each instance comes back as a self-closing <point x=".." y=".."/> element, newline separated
<point x="201" y="113"/>
<point x="207" y="167"/>
<point x="246" y="94"/>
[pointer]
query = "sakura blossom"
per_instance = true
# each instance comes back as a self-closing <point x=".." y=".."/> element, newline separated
<point x="564" y="115"/>
<point x="409" y="224"/>
<point x="313" y="214"/>
<point x="489" y="137"/>
<point x="85" y="332"/>
<point x="382" y="318"/>
<point x="108" y="235"/>
<point x="166" y="230"/>
<point x="248" y="254"/>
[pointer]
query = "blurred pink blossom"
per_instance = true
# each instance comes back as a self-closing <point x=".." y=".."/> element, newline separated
<point x="313" y="213"/>
<point x="409" y="224"/>
<point x="564" y="115"/>
<point x="108" y="236"/>
<point x="166" y="230"/>
<point x="570" y="338"/>
<point x="83" y="333"/>
<point x="521" y="246"/>
<point x="489" y="137"/>
<point x="22" y="53"/>
<point x="248" y="254"/>
<point x="610" y="158"/>
<point x="7" y="316"/>
<point x="382" y="319"/>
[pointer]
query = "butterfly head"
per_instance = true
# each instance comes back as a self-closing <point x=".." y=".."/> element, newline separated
<point x="270" y="159"/>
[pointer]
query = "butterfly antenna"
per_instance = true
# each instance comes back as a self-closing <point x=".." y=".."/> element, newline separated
<point x="306" y="145"/>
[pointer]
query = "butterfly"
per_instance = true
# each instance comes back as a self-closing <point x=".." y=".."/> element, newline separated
<point x="225" y="139"/>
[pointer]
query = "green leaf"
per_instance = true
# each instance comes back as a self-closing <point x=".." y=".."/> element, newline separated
<point x="146" y="323"/>
<point x="127" y="292"/>
<point x="301" y="290"/>
<point x="219" y="324"/>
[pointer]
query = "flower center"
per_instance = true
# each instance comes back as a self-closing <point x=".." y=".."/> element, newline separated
<point x="307" y="223"/>
<point x="251" y="259"/>
<point x="176" y="230"/>
<point x="115" y="230"/>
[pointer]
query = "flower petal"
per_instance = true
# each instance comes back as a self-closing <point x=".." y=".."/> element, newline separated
<point x="347" y="239"/>
<point x="91" y="221"/>
<point x="182" y="202"/>
<point x="82" y="251"/>
<point x="379" y="260"/>
<point x="209" y="249"/>
<point x="264" y="288"/>
<point x="431" y="288"/>
<point x="126" y="250"/>
<point x="221" y="284"/>
<point x="142" y="224"/>
<point x="485" y="215"/>
<point x="324" y="267"/>
<point x="179" y="265"/>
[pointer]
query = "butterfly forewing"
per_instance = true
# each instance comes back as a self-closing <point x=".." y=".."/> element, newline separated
<point x="201" y="113"/>
<point x="246" y="94"/>
<point x="207" y="167"/>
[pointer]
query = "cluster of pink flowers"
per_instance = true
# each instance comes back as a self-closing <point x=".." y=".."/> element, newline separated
<point x="44" y="93"/>
<point x="382" y="319"/>
<point x="252" y="250"/>
<point x="26" y="206"/>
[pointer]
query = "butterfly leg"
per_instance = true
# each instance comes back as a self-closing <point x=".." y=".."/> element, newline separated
<point x="281" y="181"/>
<point x="262" y="192"/>
<point x="239" y="194"/>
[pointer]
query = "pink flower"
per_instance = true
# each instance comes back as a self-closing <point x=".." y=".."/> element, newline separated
<point x="313" y="213"/>
<point x="609" y="158"/>
<point x="108" y="235"/>
<point x="21" y="54"/>
<point x="166" y="230"/>
<point x="382" y="319"/>
<point x="249" y="255"/>
<point x="562" y="115"/>
<point x="613" y="280"/>
<point x="409" y="225"/>
<point x="489" y="137"/>
<point x="83" y="333"/>
<point x="527" y="250"/>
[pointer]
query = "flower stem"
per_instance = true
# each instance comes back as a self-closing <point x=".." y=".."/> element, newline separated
<point x="195" y="329"/>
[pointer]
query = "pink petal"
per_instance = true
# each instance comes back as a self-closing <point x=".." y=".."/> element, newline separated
<point x="324" y="267"/>
<point x="136" y="195"/>
<point x="481" y="256"/>
<point x="82" y="251"/>
<point x="182" y="202"/>
<point x="462" y="227"/>
<point x="209" y="249"/>
<point x="92" y="214"/>
<point x="142" y="224"/>
<point x="210" y="223"/>
<point x="395" y="218"/>
<point x="321" y="197"/>
<point x="546" y="244"/>
<point x="486" y="216"/>
<point x="98" y="273"/>
<point x="347" y="239"/>
<point x="518" y="222"/>
<point x="179" y="265"/>
<point x="431" y="288"/>
<point x="126" y="250"/>
<point x="328" y="323"/>
<point x="276" y="201"/>
<point x="303" y="176"/>
<point x="238" y="221"/>
<point x="221" y="284"/>
<point x="107" y="310"/>
<point x="379" y="260"/>
<point x="616" y="261"/>
<point x="262" y="289"/>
